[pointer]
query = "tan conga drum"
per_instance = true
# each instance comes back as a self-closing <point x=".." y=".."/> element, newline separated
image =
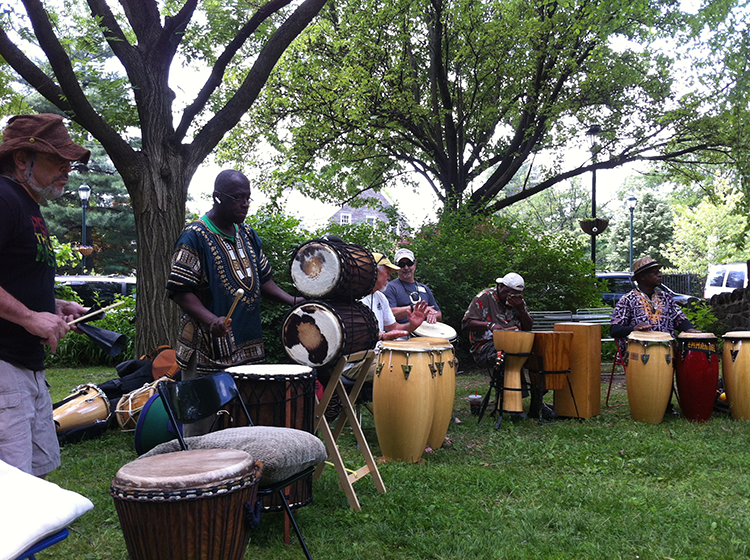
<point x="443" y="363"/>
<point x="403" y="398"/>
<point x="333" y="271"/>
<point x="87" y="404"/>
<point x="188" y="504"/>
<point x="549" y="363"/>
<point x="131" y="404"/>
<point x="317" y="333"/>
<point x="736" y="366"/>
<point x="516" y="348"/>
<point x="281" y="395"/>
<point x="648" y="375"/>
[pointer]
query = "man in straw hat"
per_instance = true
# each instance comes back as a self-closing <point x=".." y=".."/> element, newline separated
<point x="35" y="160"/>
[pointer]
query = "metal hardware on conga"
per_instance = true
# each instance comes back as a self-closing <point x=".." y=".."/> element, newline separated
<point x="188" y="504"/>
<point x="736" y="367"/>
<point x="317" y="333"/>
<point x="549" y="363"/>
<point x="436" y="330"/>
<point x="87" y="404"/>
<point x="697" y="372"/>
<point x="130" y="405"/>
<point x="648" y="375"/>
<point x="333" y="271"/>
<point x="281" y="395"/>
<point x="403" y="399"/>
<point x="516" y="347"/>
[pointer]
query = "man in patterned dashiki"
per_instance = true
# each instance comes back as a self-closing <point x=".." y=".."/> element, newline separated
<point x="213" y="258"/>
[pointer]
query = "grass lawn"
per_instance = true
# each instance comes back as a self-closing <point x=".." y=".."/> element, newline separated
<point x="603" y="488"/>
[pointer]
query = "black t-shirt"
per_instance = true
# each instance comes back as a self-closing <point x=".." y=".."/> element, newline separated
<point x="27" y="271"/>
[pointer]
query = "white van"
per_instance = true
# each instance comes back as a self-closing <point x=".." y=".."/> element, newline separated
<point x="724" y="278"/>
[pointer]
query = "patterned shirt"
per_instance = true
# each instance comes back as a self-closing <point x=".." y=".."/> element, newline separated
<point x="486" y="307"/>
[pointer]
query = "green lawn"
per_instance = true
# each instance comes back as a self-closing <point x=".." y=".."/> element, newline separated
<point x="604" y="488"/>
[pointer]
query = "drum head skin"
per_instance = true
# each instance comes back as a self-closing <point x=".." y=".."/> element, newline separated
<point x="698" y="335"/>
<point x="735" y="335"/>
<point x="269" y="370"/>
<point x="315" y="269"/>
<point x="650" y="336"/>
<point x="437" y="330"/>
<point x="312" y="335"/>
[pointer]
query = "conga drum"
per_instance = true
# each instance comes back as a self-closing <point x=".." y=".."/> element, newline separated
<point x="403" y="398"/>
<point x="436" y="330"/>
<point x="443" y="365"/>
<point x="696" y="365"/>
<point x="648" y="375"/>
<point x="736" y="365"/>
<point x="317" y="333"/>
<point x="188" y="504"/>
<point x="549" y="363"/>
<point x="87" y="404"/>
<point x="516" y="348"/>
<point x="333" y="271"/>
<point x="281" y="395"/>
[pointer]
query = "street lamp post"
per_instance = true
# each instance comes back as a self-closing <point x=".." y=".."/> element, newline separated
<point x="592" y="133"/>
<point x="631" y="201"/>
<point x="84" y="192"/>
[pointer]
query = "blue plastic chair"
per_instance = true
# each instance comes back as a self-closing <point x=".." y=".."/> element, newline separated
<point x="44" y="543"/>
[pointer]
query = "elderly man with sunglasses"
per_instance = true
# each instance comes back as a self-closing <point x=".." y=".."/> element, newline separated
<point x="405" y="292"/>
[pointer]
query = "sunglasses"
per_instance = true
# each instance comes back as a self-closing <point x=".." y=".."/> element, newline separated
<point x="405" y="262"/>
<point x="236" y="199"/>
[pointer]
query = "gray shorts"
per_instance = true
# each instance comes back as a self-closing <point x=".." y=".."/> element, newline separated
<point x="28" y="439"/>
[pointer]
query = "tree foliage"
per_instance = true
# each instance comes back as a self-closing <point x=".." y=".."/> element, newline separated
<point x="464" y="94"/>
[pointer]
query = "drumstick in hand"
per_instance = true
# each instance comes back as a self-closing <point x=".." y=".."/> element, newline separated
<point x="237" y="297"/>
<point x="95" y="313"/>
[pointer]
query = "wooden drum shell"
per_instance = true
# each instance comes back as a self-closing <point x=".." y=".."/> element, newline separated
<point x="736" y="366"/>
<point x="648" y="375"/>
<point x="696" y="367"/>
<point x="516" y="345"/>
<point x="549" y="362"/>
<point x="86" y="405"/>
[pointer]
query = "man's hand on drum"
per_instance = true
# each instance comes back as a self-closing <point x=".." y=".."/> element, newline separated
<point x="642" y="327"/>
<point x="432" y="315"/>
<point x="417" y="315"/>
<point x="394" y="334"/>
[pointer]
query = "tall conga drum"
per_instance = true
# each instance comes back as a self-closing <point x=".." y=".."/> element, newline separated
<point x="648" y="375"/>
<point x="736" y="366"/>
<point x="696" y="365"/>
<point x="281" y="395"/>
<point x="188" y="504"/>
<point x="549" y="363"/>
<point x="516" y="347"/>
<point x="403" y="399"/>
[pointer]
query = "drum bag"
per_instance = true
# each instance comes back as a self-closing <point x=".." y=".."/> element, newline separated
<point x="116" y="388"/>
<point x="79" y="433"/>
<point x="130" y="366"/>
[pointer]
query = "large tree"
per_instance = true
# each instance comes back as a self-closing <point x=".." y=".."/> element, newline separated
<point x="61" y="49"/>
<point x="465" y="93"/>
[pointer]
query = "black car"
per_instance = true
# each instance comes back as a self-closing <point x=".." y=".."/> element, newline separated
<point x="98" y="289"/>
<point x="619" y="284"/>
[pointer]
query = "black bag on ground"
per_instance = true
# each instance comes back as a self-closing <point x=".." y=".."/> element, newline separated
<point x="116" y="388"/>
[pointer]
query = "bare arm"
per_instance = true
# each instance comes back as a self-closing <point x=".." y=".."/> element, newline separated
<point x="272" y="291"/>
<point x="49" y="327"/>
<point x="193" y="306"/>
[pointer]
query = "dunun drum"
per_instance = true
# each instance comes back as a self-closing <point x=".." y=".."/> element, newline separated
<point x="317" y="333"/>
<point x="130" y="406"/>
<point x="736" y="367"/>
<point x="549" y="363"/>
<point x="188" y="504"/>
<point x="333" y="271"/>
<point x="403" y="399"/>
<point x="696" y="365"/>
<point x="516" y="348"/>
<point x="648" y="375"/>
<point x="281" y="395"/>
<point x="87" y="404"/>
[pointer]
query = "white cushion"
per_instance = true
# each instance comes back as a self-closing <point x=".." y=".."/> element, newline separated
<point x="32" y="509"/>
<point x="283" y="451"/>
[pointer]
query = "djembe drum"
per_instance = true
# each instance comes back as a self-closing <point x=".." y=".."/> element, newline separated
<point x="281" y="395"/>
<point x="516" y="348"/>
<point x="187" y="504"/>
<point x="737" y="373"/>
<point x="696" y="365"/>
<point x="333" y="271"/>
<point x="648" y="375"/>
<point x="403" y="398"/>
<point x="317" y="333"/>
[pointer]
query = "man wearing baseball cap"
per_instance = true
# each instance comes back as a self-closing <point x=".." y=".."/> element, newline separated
<point x="35" y="160"/>
<point x="405" y="292"/>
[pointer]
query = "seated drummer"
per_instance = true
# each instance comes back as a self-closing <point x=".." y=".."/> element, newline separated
<point x="500" y="308"/>
<point x="404" y="292"/>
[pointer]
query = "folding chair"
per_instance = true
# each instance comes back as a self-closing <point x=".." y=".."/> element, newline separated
<point x="618" y="361"/>
<point x="196" y="399"/>
<point x="41" y="545"/>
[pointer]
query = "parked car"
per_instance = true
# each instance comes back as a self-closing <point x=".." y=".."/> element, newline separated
<point x="102" y="289"/>
<point x="725" y="278"/>
<point x="619" y="284"/>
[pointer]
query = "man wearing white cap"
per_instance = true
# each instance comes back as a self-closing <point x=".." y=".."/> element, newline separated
<point x="405" y="292"/>
<point x="498" y="308"/>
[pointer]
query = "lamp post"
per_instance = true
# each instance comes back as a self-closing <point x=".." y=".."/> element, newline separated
<point x="631" y="201"/>
<point x="84" y="192"/>
<point x="592" y="133"/>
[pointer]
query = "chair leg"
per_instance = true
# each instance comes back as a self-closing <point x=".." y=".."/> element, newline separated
<point x="290" y="516"/>
<point x="618" y="361"/>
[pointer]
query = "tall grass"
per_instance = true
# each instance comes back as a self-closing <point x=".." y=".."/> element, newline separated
<point x="606" y="487"/>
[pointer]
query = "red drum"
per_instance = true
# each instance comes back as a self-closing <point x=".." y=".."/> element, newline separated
<point x="648" y="375"/>
<point x="736" y="366"/>
<point x="333" y="271"/>
<point x="697" y="372"/>
<point x="281" y="395"/>
<point x="317" y="333"/>
<point x="188" y="504"/>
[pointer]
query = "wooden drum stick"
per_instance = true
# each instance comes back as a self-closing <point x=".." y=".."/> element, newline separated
<point x="94" y="313"/>
<point x="237" y="297"/>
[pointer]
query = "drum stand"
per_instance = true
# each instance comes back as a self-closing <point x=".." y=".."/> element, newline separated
<point x="497" y="382"/>
<point x="346" y="478"/>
